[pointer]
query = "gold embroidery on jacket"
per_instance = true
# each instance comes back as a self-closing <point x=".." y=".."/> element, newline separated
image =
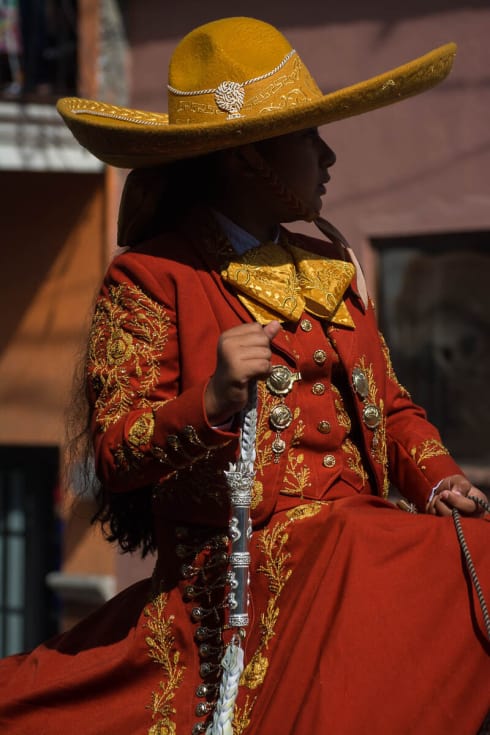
<point x="379" y="450"/>
<point x="428" y="449"/>
<point x="272" y="542"/>
<point x="257" y="494"/>
<point x="342" y="416"/>
<point x="263" y="445"/>
<point x="127" y="338"/>
<point x="297" y="474"/>
<point x="141" y="432"/>
<point x="241" y="719"/>
<point x="139" y="435"/>
<point x="354" y="459"/>
<point x="389" y="367"/>
<point x="160" y="645"/>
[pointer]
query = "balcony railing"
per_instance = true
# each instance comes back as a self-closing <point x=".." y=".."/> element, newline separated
<point x="38" y="49"/>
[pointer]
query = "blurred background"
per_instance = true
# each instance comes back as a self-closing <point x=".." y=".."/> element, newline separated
<point x="410" y="191"/>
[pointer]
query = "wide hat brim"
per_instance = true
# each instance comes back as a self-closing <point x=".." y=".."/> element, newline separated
<point x="129" y="138"/>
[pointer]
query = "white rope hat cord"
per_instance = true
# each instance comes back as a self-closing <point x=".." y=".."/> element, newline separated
<point x="230" y="96"/>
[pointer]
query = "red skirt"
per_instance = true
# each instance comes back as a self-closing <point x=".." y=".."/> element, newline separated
<point x="363" y="619"/>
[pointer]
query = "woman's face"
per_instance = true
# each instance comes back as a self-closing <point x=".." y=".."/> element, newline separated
<point x="301" y="161"/>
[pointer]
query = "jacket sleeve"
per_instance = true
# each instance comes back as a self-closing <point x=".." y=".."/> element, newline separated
<point x="146" y="425"/>
<point x="417" y="458"/>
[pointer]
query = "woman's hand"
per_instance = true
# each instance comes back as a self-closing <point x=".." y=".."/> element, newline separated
<point x="244" y="354"/>
<point x="452" y="493"/>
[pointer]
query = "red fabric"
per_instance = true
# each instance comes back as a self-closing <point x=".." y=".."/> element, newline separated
<point x="362" y="616"/>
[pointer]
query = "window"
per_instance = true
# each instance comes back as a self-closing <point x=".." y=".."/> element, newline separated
<point x="29" y="546"/>
<point x="434" y="309"/>
<point x="38" y="48"/>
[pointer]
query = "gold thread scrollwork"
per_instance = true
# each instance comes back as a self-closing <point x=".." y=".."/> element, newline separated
<point x="272" y="542"/>
<point x="127" y="338"/>
<point x="427" y="450"/>
<point x="160" y="644"/>
<point x="379" y="450"/>
<point x="354" y="460"/>
<point x="297" y="475"/>
<point x="389" y="368"/>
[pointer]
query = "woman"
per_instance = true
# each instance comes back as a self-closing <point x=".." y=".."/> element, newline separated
<point x="361" y="616"/>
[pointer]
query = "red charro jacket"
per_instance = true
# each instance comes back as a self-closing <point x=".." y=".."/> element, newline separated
<point x="160" y="312"/>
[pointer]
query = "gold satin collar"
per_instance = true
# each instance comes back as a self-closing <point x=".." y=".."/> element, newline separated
<point x="281" y="281"/>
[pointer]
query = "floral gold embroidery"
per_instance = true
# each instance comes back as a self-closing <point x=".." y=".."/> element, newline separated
<point x="263" y="446"/>
<point x="254" y="674"/>
<point x="272" y="543"/>
<point x="141" y="432"/>
<point x="354" y="460"/>
<point x="119" y="347"/>
<point x="297" y="474"/>
<point x="342" y="416"/>
<point x="389" y="367"/>
<point x="127" y="338"/>
<point x="379" y="448"/>
<point x="160" y="645"/>
<point x="428" y="449"/>
<point x="257" y="494"/>
<point x="304" y="511"/>
<point x="241" y="719"/>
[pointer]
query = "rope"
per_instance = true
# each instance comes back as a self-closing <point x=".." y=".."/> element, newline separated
<point x="469" y="561"/>
<point x="232" y="664"/>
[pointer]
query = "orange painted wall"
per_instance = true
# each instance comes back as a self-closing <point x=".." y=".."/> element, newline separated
<point x="52" y="261"/>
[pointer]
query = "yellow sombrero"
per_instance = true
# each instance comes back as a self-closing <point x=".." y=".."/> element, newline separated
<point x="231" y="82"/>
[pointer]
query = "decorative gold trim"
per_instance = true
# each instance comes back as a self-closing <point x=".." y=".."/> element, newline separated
<point x="297" y="475"/>
<point x="160" y="645"/>
<point x="427" y="450"/>
<point x="128" y="335"/>
<point x="272" y="543"/>
<point x="379" y="450"/>
<point x="389" y="368"/>
<point x="354" y="460"/>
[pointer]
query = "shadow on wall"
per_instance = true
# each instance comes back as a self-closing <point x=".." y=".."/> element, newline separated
<point x="162" y="21"/>
<point x="442" y="328"/>
<point x="38" y="213"/>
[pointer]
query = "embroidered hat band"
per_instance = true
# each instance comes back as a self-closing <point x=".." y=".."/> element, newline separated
<point x="231" y="82"/>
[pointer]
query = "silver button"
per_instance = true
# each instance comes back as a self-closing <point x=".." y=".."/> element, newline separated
<point x="360" y="382"/>
<point x="329" y="460"/>
<point x="280" y="380"/>
<point x="306" y="325"/>
<point x="371" y="416"/>
<point x="318" y="389"/>
<point x="278" y="445"/>
<point x="320" y="357"/>
<point x="280" y="417"/>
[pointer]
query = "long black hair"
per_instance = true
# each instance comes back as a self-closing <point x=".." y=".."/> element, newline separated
<point x="154" y="200"/>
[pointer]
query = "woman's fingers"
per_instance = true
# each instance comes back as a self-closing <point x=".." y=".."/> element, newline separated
<point x="243" y="354"/>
